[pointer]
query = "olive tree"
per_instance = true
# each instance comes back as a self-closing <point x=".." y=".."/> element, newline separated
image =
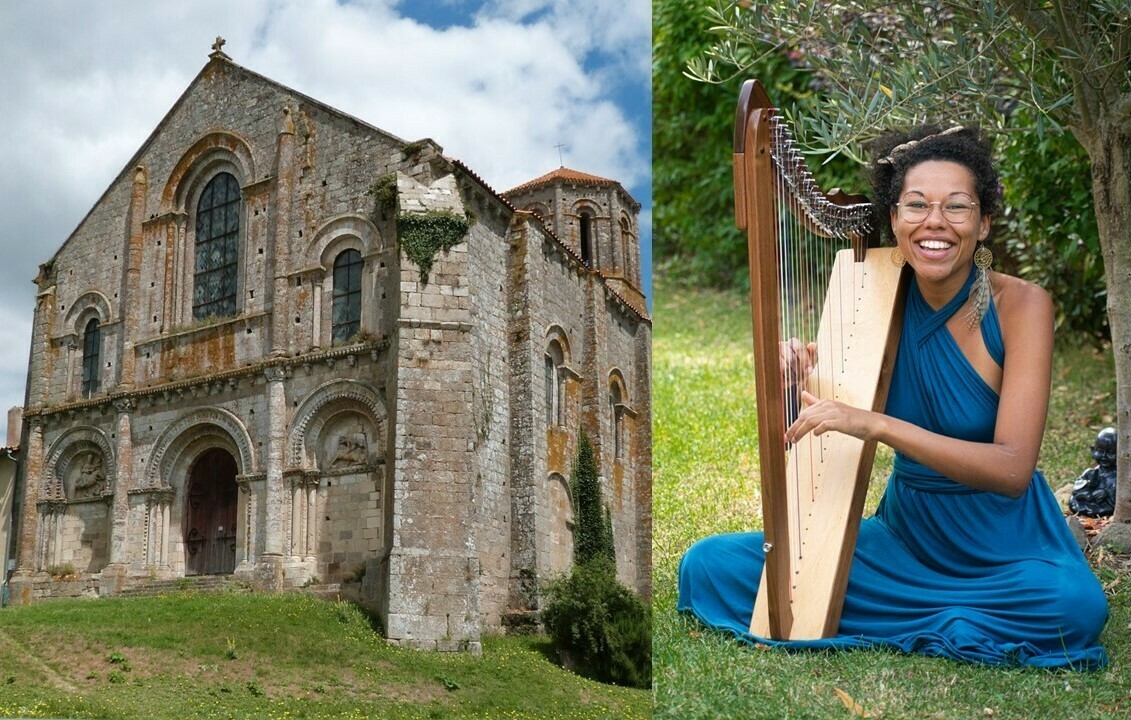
<point x="1066" y="65"/>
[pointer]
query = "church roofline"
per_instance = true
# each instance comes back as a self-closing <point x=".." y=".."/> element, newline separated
<point x="639" y="312"/>
<point x="573" y="177"/>
<point x="220" y="58"/>
<point x="215" y="58"/>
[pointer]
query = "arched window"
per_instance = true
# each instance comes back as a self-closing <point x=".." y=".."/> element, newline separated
<point x="345" y="321"/>
<point x="616" y="404"/>
<point x="555" y="384"/>
<point x="625" y="244"/>
<point x="91" y="344"/>
<point x="217" y="248"/>
<point x="587" y="238"/>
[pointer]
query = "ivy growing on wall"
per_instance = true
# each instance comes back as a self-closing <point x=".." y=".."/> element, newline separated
<point x="422" y="235"/>
<point x="593" y="531"/>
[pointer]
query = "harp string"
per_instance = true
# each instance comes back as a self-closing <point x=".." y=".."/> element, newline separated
<point x="810" y="230"/>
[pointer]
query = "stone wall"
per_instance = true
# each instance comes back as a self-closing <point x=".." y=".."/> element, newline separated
<point x="416" y="453"/>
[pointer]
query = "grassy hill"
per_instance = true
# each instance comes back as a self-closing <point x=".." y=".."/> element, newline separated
<point x="229" y="655"/>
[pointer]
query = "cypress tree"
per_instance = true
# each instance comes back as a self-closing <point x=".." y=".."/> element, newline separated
<point x="589" y="530"/>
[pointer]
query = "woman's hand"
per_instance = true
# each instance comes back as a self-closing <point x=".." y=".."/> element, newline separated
<point x="797" y="361"/>
<point x="822" y="416"/>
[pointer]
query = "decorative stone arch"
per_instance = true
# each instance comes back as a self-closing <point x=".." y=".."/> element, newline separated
<point x="627" y="240"/>
<point x="556" y="333"/>
<point x="585" y="205"/>
<point x="562" y="514"/>
<point x="587" y="213"/>
<point x="342" y="233"/>
<point x="616" y="379"/>
<point x="345" y="232"/>
<point x="557" y="373"/>
<point x="69" y="446"/>
<point x="560" y="483"/>
<point x="91" y="304"/>
<point x="619" y="409"/>
<point x="323" y="407"/>
<point x="215" y="152"/>
<point x="182" y="442"/>
<point x="539" y="209"/>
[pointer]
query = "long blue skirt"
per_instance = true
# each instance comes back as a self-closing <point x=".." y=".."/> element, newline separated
<point x="976" y="577"/>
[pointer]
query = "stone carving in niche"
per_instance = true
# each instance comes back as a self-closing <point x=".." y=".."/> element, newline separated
<point x="89" y="476"/>
<point x="347" y="441"/>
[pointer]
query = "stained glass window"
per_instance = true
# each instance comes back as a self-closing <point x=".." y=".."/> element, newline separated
<point x="217" y="248"/>
<point x="91" y="344"/>
<point x="345" y="321"/>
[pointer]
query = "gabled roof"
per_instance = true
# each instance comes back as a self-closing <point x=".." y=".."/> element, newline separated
<point x="216" y="60"/>
<point x="565" y="174"/>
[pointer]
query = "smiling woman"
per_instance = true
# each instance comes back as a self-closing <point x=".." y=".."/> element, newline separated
<point x="968" y="555"/>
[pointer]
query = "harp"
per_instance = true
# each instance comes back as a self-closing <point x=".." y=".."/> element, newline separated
<point x="815" y="275"/>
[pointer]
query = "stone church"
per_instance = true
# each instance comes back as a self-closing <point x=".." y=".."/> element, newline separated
<point x="287" y="347"/>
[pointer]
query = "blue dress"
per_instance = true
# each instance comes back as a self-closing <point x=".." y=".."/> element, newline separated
<point x="941" y="569"/>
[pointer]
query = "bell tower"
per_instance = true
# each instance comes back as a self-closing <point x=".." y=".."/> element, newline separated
<point x="595" y="218"/>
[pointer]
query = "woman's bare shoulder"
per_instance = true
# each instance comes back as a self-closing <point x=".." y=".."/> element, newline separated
<point x="1020" y="302"/>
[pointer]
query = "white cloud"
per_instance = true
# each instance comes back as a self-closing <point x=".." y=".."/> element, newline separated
<point x="83" y="85"/>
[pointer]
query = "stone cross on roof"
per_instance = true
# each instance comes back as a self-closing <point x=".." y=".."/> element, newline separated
<point x="216" y="51"/>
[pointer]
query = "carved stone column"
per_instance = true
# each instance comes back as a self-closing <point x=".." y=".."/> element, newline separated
<point x="246" y="550"/>
<point x="114" y="575"/>
<point x="316" y="341"/>
<point x="32" y="483"/>
<point x="311" y="556"/>
<point x="283" y="197"/>
<point x="270" y="571"/>
<point x="298" y="536"/>
<point x="131" y="279"/>
<point x="74" y="356"/>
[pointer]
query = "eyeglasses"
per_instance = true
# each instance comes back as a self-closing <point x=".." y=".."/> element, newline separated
<point x="955" y="209"/>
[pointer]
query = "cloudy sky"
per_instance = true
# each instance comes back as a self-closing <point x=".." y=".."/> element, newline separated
<point x="498" y="83"/>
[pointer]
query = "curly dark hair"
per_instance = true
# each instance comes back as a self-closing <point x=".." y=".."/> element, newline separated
<point x="966" y="147"/>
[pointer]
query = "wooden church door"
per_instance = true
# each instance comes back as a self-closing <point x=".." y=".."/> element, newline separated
<point x="210" y="526"/>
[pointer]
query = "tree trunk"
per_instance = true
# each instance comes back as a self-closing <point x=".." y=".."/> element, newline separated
<point x="1109" y="147"/>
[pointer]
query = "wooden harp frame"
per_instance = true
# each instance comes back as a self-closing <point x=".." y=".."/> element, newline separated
<point x="811" y="508"/>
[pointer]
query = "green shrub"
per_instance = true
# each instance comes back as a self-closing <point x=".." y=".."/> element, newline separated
<point x="599" y="627"/>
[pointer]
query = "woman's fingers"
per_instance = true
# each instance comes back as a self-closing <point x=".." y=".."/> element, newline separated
<point x="804" y="422"/>
<point x="797" y="360"/>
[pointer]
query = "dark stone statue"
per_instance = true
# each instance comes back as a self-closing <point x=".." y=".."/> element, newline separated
<point x="1094" y="491"/>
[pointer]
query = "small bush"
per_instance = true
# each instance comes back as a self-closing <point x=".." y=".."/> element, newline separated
<point x="61" y="570"/>
<point x="599" y="627"/>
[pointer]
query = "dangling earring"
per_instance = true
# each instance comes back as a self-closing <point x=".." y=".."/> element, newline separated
<point x="897" y="258"/>
<point x="983" y="258"/>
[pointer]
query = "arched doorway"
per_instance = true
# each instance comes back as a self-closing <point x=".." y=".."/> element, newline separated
<point x="210" y="515"/>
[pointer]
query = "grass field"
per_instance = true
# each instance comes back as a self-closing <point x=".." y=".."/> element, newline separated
<point x="705" y="482"/>
<point x="195" y="655"/>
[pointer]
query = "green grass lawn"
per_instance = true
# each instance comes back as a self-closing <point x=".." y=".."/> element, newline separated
<point x="196" y="655"/>
<point x="705" y="482"/>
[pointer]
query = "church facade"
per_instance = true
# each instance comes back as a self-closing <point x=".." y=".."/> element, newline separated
<point x="288" y="347"/>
